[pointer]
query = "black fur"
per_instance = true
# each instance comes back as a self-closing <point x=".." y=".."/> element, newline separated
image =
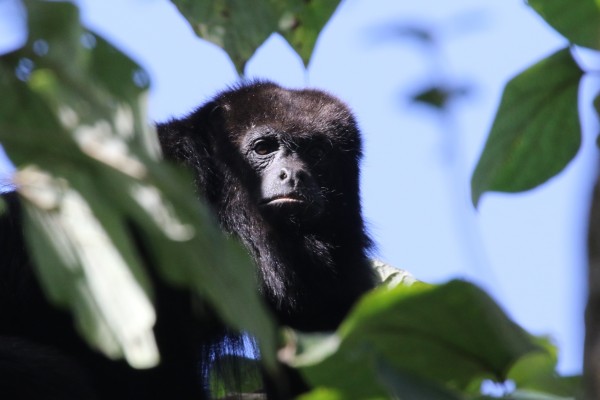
<point x="280" y="169"/>
<point x="312" y="273"/>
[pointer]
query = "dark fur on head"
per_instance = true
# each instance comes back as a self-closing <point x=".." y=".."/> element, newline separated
<point x="311" y="273"/>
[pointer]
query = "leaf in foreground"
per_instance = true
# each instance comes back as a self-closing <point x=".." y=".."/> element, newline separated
<point x="240" y="28"/>
<point x="537" y="372"/>
<point x="452" y="336"/>
<point x="408" y="387"/>
<point x="73" y="122"/>
<point x="536" y="131"/>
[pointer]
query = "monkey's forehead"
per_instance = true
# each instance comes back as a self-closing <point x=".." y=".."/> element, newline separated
<point x="267" y="107"/>
<point x="287" y="111"/>
<point x="269" y="100"/>
<point x="264" y="106"/>
<point x="289" y="118"/>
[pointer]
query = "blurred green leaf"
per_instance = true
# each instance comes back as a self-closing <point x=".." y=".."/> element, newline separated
<point x="322" y="394"/>
<point x="531" y="395"/>
<point x="240" y="27"/>
<point x="439" y="96"/>
<point x="81" y="267"/>
<point x="73" y="122"/>
<point x="537" y="372"/>
<point x="452" y="335"/>
<point x="410" y="387"/>
<point x="536" y="131"/>
<point x="577" y="20"/>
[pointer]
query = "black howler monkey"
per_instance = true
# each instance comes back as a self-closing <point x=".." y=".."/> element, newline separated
<point x="280" y="169"/>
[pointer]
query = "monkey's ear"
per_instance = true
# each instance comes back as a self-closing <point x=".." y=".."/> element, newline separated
<point x="216" y="115"/>
<point x="213" y="121"/>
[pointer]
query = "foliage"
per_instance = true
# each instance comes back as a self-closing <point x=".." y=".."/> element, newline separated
<point x="240" y="29"/>
<point x="423" y="341"/>
<point x="536" y="132"/>
<point x="73" y="121"/>
<point x="577" y="21"/>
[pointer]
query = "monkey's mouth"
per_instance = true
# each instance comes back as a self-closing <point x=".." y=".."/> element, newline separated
<point x="283" y="200"/>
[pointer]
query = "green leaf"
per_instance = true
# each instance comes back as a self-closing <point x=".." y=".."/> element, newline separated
<point x="49" y="98"/>
<point x="537" y="372"/>
<point x="410" y="387"/>
<point x="240" y="28"/>
<point x="450" y="336"/>
<point x="302" y="22"/>
<point x="73" y="122"/>
<point x="81" y="267"/>
<point x="578" y="21"/>
<point x="532" y="395"/>
<point x="322" y="394"/>
<point x="536" y="131"/>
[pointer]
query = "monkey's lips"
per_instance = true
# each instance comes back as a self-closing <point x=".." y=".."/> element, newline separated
<point x="283" y="200"/>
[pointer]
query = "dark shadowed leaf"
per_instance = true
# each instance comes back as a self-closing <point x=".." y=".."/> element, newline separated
<point x="240" y="28"/>
<point x="410" y="387"/>
<point x="451" y="336"/>
<point x="536" y="131"/>
<point x="578" y="21"/>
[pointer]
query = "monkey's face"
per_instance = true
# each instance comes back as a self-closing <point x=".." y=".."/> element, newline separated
<point x="298" y="152"/>
<point x="290" y="174"/>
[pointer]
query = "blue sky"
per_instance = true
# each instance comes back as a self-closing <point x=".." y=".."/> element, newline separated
<point x="527" y="250"/>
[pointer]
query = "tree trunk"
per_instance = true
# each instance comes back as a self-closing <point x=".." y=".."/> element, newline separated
<point x="591" y="358"/>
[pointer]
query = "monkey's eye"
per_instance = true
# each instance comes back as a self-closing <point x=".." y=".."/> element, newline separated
<point x="263" y="147"/>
